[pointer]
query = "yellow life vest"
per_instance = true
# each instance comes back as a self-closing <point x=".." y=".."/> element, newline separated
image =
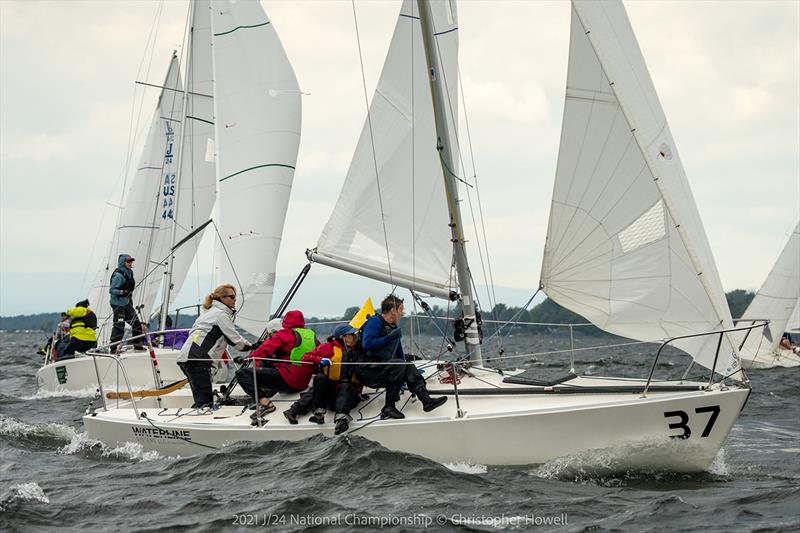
<point x="334" y="372"/>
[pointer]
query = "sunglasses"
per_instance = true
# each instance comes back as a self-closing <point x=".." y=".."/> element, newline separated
<point x="231" y="296"/>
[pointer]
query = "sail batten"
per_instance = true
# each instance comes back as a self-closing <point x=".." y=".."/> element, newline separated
<point x="625" y="245"/>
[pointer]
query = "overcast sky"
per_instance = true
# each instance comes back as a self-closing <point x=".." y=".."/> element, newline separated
<point x="727" y="73"/>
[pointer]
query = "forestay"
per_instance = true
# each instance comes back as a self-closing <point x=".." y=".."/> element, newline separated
<point x="775" y="301"/>
<point x="625" y="245"/>
<point x="391" y="219"/>
<point x="258" y="111"/>
<point x="141" y="231"/>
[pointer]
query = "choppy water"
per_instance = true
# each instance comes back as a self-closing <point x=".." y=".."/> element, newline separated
<point x="52" y="475"/>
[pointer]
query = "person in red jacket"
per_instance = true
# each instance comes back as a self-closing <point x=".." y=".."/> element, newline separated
<point x="292" y="345"/>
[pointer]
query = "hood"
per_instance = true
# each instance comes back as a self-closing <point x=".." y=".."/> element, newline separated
<point x="294" y="319"/>
<point x="121" y="260"/>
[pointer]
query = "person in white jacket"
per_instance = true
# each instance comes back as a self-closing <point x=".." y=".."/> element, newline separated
<point x="210" y="336"/>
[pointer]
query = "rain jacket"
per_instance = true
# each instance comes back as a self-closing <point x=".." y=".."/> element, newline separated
<point x="375" y="342"/>
<point x="211" y="334"/>
<point x="82" y="324"/>
<point x="281" y="344"/>
<point x="121" y="279"/>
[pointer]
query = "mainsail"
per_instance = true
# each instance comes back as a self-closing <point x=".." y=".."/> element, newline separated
<point x="775" y="301"/>
<point x="391" y="220"/>
<point x="141" y="231"/>
<point x="625" y="245"/>
<point x="258" y="112"/>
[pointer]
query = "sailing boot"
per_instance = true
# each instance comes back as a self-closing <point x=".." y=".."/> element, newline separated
<point x="342" y="424"/>
<point x="318" y="417"/>
<point x="429" y="403"/>
<point x="390" y="411"/>
<point x="291" y="416"/>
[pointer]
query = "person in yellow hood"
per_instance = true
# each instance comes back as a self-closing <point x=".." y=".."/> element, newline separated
<point x="82" y="330"/>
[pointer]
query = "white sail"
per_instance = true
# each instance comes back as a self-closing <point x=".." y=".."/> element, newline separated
<point x="197" y="186"/>
<point x="142" y="229"/>
<point x="775" y="301"/>
<point x="391" y="220"/>
<point x="625" y="245"/>
<point x="258" y="112"/>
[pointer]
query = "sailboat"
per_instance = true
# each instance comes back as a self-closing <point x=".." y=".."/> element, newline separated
<point x="622" y="211"/>
<point x="170" y="198"/>
<point x="776" y="301"/>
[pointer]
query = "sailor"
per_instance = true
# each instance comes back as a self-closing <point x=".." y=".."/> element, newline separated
<point x="293" y="366"/>
<point x="82" y="334"/>
<point x="334" y="386"/>
<point x="122" y="285"/>
<point x="61" y="334"/>
<point x="380" y="342"/>
<point x="210" y="336"/>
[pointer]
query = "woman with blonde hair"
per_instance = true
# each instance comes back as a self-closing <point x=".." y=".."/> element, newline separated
<point x="211" y="334"/>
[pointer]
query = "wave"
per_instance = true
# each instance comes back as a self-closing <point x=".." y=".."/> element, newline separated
<point x="42" y="394"/>
<point x="631" y="463"/>
<point x="22" y="493"/>
<point x="466" y="468"/>
<point x="82" y="445"/>
<point x="36" y="436"/>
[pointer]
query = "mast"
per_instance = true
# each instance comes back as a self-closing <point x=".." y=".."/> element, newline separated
<point x="472" y="339"/>
<point x="167" y="285"/>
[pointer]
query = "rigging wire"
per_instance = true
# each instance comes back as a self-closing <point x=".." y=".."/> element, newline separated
<point x="132" y="129"/>
<point x="372" y="145"/>
<point x="230" y="262"/>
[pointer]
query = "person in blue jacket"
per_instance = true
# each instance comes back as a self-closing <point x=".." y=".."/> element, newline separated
<point x="122" y="285"/>
<point x="380" y="342"/>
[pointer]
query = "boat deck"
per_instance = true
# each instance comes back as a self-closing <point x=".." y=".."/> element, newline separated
<point x="484" y="393"/>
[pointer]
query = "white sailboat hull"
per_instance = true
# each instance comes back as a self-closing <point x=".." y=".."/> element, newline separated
<point x="79" y="373"/>
<point x="622" y="429"/>
<point x="778" y="358"/>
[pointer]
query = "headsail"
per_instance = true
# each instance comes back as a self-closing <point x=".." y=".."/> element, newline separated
<point x="775" y="301"/>
<point x="391" y="220"/>
<point x="625" y="245"/>
<point x="197" y="186"/>
<point x="257" y="122"/>
<point x="141" y="231"/>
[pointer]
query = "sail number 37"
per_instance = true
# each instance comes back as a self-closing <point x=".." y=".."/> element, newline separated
<point x="683" y="421"/>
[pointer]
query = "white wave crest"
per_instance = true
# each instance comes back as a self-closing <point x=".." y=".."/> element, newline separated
<point x="25" y="492"/>
<point x="651" y="456"/>
<point x="11" y="427"/>
<point x="43" y="394"/>
<point x="466" y="468"/>
<point x="130" y="451"/>
<point x="719" y="467"/>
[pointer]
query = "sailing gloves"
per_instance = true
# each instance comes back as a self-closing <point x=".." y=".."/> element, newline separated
<point x="396" y="333"/>
<point x="324" y="362"/>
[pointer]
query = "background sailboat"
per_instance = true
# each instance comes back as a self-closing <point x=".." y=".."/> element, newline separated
<point x="775" y="301"/>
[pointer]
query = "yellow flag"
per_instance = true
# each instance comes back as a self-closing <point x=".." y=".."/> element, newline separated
<point x="363" y="314"/>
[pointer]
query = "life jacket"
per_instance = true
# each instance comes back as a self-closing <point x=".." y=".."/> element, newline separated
<point x="305" y="341"/>
<point x="83" y="327"/>
<point x="377" y="355"/>
<point x="337" y="371"/>
<point x="129" y="283"/>
<point x="88" y="321"/>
